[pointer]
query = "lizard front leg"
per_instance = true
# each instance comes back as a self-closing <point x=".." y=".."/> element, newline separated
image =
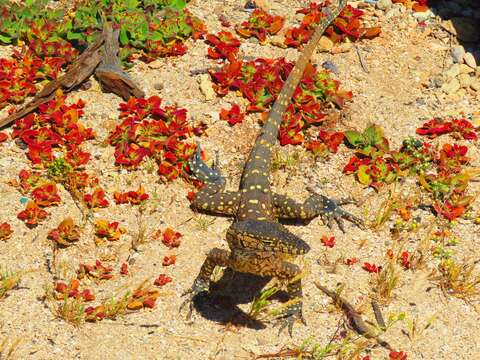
<point x="211" y="197"/>
<point x="216" y="257"/>
<point x="316" y="205"/>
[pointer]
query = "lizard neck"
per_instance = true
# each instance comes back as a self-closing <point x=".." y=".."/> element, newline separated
<point x="258" y="164"/>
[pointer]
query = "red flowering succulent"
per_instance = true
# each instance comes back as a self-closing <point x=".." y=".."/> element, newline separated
<point x="65" y="233"/>
<point x="260" y="24"/>
<point x="5" y="231"/>
<point x="347" y="25"/>
<point x="32" y="215"/>
<point x="232" y="116"/>
<point x="3" y="137"/>
<point x="459" y="128"/>
<point x="162" y="280"/>
<point x="98" y="271"/>
<point x="328" y="241"/>
<point x="261" y="80"/>
<point x="108" y="231"/>
<point x="46" y="194"/>
<point x="371" y="268"/>
<point x="64" y="291"/>
<point x="96" y="199"/>
<point x="171" y="238"/>
<point x="225" y="46"/>
<point x="149" y="130"/>
<point x="169" y="260"/>
<point x="326" y="141"/>
<point x="131" y="197"/>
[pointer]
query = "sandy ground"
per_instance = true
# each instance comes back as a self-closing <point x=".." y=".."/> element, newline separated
<point x="394" y="94"/>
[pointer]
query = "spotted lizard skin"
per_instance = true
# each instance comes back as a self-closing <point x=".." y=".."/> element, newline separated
<point x="258" y="243"/>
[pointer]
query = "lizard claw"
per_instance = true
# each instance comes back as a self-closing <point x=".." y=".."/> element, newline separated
<point x="202" y="172"/>
<point x="291" y="315"/>
<point x="331" y="211"/>
<point x="199" y="287"/>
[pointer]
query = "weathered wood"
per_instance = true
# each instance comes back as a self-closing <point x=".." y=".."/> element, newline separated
<point x="109" y="73"/>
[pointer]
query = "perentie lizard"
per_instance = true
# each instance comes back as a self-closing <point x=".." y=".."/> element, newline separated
<point x="258" y="243"/>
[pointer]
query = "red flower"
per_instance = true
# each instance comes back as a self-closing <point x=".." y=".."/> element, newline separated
<point x="46" y="195"/>
<point x="332" y="139"/>
<point x="132" y="197"/>
<point x="3" y="136"/>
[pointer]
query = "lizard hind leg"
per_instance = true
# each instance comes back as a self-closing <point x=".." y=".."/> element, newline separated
<point x="203" y="172"/>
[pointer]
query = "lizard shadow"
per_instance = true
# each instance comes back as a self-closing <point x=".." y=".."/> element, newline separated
<point x="232" y="289"/>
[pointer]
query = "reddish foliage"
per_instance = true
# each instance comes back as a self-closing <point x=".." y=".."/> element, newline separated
<point x="346" y="25"/>
<point x="65" y="233"/>
<point x="162" y="279"/>
<point x="5" y="231"/>
<point x="63" y="291"/>
<point x="371" y="268"/>
<point x="124" y="269"/>
<point x="32" y="215"/>
<point x="3" y="137"/>
<point x="397" y="355"/>
<point x="97" y="271"/>
<point x="328" y="241"/>
<point x="109" y="231"/>
<point x="259" y="24"/>
<point x="169" y="260"/>
<point x="96" y="199"/>
<point x="225" y="46"/>
<point x="132" y="197"/>
<point x="459" y="128"/>
<point x="232" y="116"/>
<point x="351" y="261"/>
<point x="171" y="238"/>
<point x="161" y="138"/>
<point x="261" y="80"/>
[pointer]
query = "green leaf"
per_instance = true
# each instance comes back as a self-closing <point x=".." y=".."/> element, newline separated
<point x="373" y="134"/>
<point x="355" y="138"/>
<point x="74" y="36"/>
<point x="5" y="39"/>
<point x="178" y="4"/>
<point x="123" y="36"/>
<point x="363" y="176"/>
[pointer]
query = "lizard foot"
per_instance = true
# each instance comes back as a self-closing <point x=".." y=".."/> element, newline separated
<point x="199" y="287"/>
<point x="291" y="314"/>
<point x="330" y="210"/>
<point x="202" y="172"/>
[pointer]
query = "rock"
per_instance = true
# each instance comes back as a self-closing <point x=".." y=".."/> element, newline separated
<point x="475" y="85"/>
<point x="384" y="4"/>
<point x="466" y="29"/>
<point x="458" y="52"/>
<point x="206" y="87"/>
<point x="158" y="86"/>
<point x="470" y="60"/>
<point x="465" y="80"/>
<point x="465" y="69"/>
<point x="330" y="66"/>
<point x="423" y="16"/>
<point x="325" y="43"/>
<point x="451" y="87"/>
<point x="278" y="41"/>
<point x="453" y="71"/>
<point x="342" y="48"/>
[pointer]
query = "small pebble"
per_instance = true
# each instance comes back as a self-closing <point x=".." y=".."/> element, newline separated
<point x="470" y="60"/>
<point x="451" y="87"/>
<point x="330" y="66"/>
<point x="458" y="52"/>
<point x="384" y="4"/>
